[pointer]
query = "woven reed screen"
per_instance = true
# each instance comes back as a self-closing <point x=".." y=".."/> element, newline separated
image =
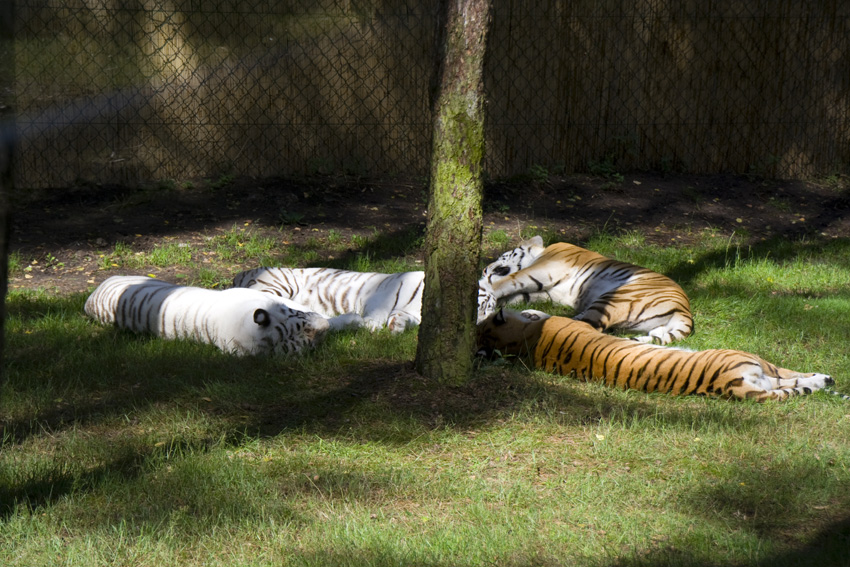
<point x="129" y="91"/>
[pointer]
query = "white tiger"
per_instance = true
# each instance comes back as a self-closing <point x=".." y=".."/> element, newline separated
<point x="237" y="321"/>
<point x="391" y="300"/>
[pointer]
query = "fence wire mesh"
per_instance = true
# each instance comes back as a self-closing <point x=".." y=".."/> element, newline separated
<point x="118" y="91"/>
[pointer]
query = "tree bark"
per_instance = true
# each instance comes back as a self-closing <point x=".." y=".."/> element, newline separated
<point x="7" y="145"/>
<point x="453" y="237"/>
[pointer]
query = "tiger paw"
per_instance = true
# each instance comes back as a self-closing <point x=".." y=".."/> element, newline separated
<point x="827" y="379"/>
<point x="346" y="321"/>
<point x="398" y="322"/>
<point x="816" y="381"/>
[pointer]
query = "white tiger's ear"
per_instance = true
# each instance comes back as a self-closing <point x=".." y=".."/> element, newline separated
<point x="534" y="241"/>
<point x="261" y="318"/>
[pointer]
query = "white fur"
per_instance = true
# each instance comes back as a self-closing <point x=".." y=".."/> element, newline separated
<point x="237" y="321"/>
<point x="391" y="300"/>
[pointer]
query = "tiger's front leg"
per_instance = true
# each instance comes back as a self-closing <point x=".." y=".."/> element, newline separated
<point x="764" y="383"/>
<point x="487" y="301"/>
<point x="779" y="377"/>
<point x="347" y="321"/>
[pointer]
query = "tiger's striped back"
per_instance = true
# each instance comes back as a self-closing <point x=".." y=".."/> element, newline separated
<point x="237" y="321"/>
<point x="606" y="293"/>
<point x="391" y="300"/>
<point x="564" y="346"/>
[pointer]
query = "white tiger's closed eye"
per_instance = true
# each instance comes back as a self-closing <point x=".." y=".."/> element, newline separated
<point x="502" y="271"/>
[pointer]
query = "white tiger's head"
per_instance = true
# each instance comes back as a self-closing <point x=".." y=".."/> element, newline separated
<point x="270" y="327"/>
<point x="283" y="330"/>
<point x="514" y="260"/>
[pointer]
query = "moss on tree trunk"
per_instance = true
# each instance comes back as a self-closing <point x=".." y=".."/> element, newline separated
<point x="453" y="240"/>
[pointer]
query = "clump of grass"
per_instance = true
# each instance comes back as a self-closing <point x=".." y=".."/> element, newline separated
<point x="212" y="279"/>
<point x="286" y="217"/>
<point x="16" y="264"/>
<point x="172" y="254"/>
<point x="239" y="244"/>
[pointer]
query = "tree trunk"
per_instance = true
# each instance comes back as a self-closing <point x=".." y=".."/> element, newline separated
<point x="7" y="144"/>
<point x="453" y="238"/>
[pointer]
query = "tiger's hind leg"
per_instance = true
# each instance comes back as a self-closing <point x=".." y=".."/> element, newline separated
<point x="610" y="311"/>
<point x="605" y="317"/>
<point x="677" y="328"/>
<point x="628" y="308"/>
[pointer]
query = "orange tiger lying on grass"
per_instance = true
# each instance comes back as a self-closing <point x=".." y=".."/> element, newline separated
<point x="565" y="346"/>
<point x="605" y="293"/>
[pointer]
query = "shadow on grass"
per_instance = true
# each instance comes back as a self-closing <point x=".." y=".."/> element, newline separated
<point x="828" y="548"/>
<point x="103" y="376"/>
<point x="383" y="246"/>
<point x="52" y="480"/>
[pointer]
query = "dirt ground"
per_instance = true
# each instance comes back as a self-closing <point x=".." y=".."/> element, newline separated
<point x="60" y="232"/>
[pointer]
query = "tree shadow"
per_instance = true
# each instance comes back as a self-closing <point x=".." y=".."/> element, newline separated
<point x="283" y="395"/>
<point x="828" y="548"/>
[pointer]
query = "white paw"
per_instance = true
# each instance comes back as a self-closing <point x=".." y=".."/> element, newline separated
<point x="373" y="325"/>
<point x="816" y="381"/>
<point x="534" y="315"/>
<point x="347" y="321"/>
<point x="398" y="323"/>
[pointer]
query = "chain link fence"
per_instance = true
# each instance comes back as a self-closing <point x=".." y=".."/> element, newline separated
<point x="142" y="90"/>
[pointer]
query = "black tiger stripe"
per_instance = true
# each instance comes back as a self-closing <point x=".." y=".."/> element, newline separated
<point x="691" y="386"/>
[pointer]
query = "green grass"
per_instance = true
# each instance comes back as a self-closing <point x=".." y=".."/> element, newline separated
<point x="211" y="262"/>
<point x="119" y="449"/>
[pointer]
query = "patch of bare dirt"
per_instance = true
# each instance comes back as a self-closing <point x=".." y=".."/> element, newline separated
<point x="61" y="232"/>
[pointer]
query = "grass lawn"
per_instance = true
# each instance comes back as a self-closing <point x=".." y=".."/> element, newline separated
<point x="119" y="449"/>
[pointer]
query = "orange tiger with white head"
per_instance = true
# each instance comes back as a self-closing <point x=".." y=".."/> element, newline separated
<point x="606" y="293"/>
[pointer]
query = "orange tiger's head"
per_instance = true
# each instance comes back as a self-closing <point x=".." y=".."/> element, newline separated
<point x="510" y="332"/>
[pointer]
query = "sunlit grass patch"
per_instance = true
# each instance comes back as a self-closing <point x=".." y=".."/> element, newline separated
<point x="240" y="244"/>
<point x="171" y="254"/>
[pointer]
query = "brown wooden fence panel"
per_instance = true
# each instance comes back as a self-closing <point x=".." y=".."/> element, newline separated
<point x="119" y="91"/>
